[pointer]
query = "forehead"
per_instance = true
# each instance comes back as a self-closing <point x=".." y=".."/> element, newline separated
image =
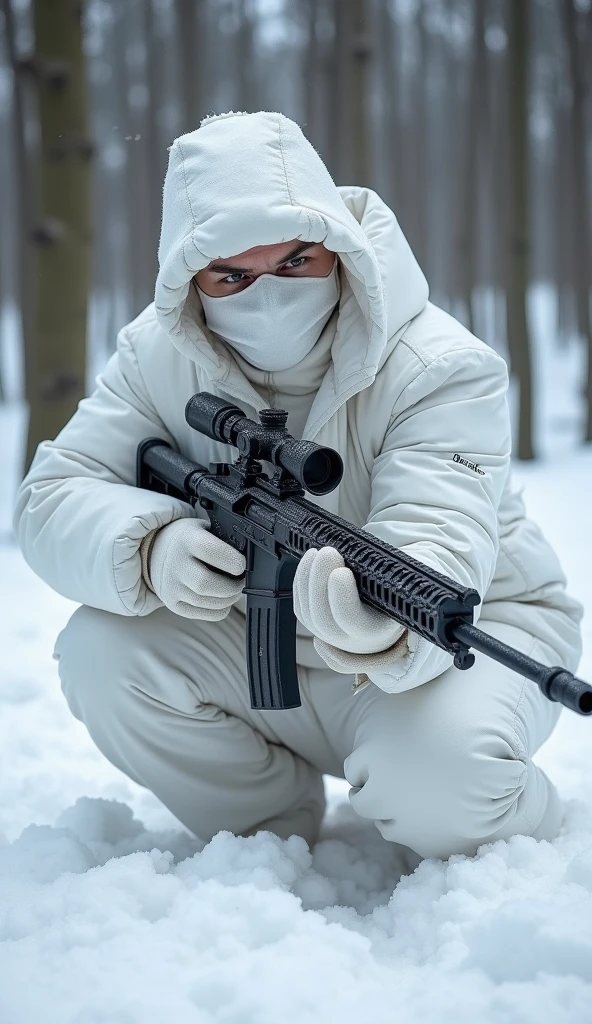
<point x="265" y="253"/>
<point x="266" y="250"/>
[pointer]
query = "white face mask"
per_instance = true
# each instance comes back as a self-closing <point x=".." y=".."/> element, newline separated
<point x="276" y="321"/>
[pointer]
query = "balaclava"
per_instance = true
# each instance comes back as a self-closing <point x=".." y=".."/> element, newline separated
<point x="276" y="321"/>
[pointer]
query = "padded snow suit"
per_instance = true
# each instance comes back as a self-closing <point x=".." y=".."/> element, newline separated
<point x="440" y="760"/>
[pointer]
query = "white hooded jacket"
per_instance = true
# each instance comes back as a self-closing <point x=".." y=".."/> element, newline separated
<point x="413" y="402"/>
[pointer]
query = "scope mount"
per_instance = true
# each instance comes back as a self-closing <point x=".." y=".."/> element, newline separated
<point x="248" y="467"/>
<point x="296" y="466"/>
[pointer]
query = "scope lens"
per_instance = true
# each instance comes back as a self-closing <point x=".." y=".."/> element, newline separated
<point x="320" y="472"/>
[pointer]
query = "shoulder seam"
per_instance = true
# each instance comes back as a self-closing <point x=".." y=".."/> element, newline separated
<point x="403" y="341"/>
<point x="443" y="355"/>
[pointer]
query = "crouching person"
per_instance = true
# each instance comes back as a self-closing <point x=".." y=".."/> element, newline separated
<point x="278" y="288"/>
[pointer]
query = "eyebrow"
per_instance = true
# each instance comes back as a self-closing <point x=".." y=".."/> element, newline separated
<point x="228" y="268"/>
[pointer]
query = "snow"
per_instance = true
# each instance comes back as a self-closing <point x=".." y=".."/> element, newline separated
<point x="110" y="913"/>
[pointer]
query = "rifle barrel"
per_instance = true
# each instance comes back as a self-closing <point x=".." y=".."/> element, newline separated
<point x="556" y="683"/>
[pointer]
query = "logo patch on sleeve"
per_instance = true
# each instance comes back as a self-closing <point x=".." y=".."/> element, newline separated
<point x="469" y="465"/>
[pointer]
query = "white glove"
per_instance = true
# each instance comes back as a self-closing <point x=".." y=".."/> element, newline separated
<point x="174" y="567"/>
<point x="349" y="636"/>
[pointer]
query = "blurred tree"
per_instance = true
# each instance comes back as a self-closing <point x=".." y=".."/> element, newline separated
<point x="497" y="156"/>
<point x="389" y="76"/>
<point x="361" y="55"/>
<point x="418" y="141"/>
<point x="354" y="45"/>
<point x="138" y="103"/>
<point x="519" y="343"/>
<point x="471" y="142"/>
<point x="192" y="27"/>
<point x="338" y="149"/>
<point x="578" y="32"/>
<point x="21" y="72"/>
<point x="313" y="81"/>
<point x="247" y="77"/>
<point x="57" y="359"/>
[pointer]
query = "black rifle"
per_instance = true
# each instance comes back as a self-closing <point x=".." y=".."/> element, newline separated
<point x="270" y="521"/>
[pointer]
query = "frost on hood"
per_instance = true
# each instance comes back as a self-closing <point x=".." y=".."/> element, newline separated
<point x="242" y="180"/>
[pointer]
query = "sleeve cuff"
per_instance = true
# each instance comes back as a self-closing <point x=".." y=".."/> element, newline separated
<point x="145" y="550"/>
<point x="410" y="662"/>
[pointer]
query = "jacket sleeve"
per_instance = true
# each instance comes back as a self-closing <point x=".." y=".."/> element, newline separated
<point x="440" y="510"/>
<point x="79" y="519"/>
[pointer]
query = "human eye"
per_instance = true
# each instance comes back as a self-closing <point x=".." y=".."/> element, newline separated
<point x="296" y="262"/>
<point x="233" y="278"/>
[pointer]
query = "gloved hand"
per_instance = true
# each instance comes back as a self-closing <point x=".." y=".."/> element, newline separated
<point x="349" y="636"/>
<point x="175" y="566"/>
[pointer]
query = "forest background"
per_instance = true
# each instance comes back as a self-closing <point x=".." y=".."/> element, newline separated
<point x="472" y="118"/>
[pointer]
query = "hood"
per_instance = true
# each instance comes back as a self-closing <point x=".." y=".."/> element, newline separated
<point x="242" y="180"/>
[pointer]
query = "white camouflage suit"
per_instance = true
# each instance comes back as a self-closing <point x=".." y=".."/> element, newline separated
<point x="440" y="760"/>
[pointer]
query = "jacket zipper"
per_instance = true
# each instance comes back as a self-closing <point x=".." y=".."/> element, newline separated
<point x="361" y="681"/>
<point x="271" y="391"/>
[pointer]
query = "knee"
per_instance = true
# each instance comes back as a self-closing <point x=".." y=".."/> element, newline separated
<point x="446" y="793"/>
<point x="91" y="653"/>
<point x="109" y="665"/>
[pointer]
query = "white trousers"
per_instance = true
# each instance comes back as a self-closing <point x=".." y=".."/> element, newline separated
<point x="439" y="769"/>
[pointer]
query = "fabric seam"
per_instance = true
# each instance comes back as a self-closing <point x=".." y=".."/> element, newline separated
<point x="282" y="154"/>
<point x="193" y="225"/>
<point x="510" y="556"/>
<point x="429" y="366"/>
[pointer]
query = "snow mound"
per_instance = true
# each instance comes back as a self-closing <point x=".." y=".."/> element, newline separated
<point x="102" y="922"/>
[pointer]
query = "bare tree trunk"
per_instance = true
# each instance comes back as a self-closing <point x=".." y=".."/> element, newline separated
<point x="410" y="137"/>
<point x="565" y="270"/>
<point x="390" y="127"/>
<point x="313" y="100"/>
<point x="321" y="16"/>
<point x="518" y="256"/>
<point x="246" y="63"/>
<point x="193" y="48"/>
<point x="25" y="199"/>
<point x="125" y="270"/>
<point x="351" y="88"/>
<point x="319" y="65"/>
<point x="339" y="91"/>
<point x="56" y="374"/>
<point x="581" y="190"/>
<point x="152" y="149"/>
<point x="362" y="50"/>
<point x="497" y="156"/>
<point x="141" y="247"/>
<point x="418" y="167"/>
<point x="469" y="199"/>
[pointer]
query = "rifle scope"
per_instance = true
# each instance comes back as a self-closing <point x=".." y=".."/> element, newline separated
<point x="318" y="469"/>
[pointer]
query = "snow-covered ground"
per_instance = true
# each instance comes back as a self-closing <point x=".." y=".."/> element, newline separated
<point x="111" y="914"/>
